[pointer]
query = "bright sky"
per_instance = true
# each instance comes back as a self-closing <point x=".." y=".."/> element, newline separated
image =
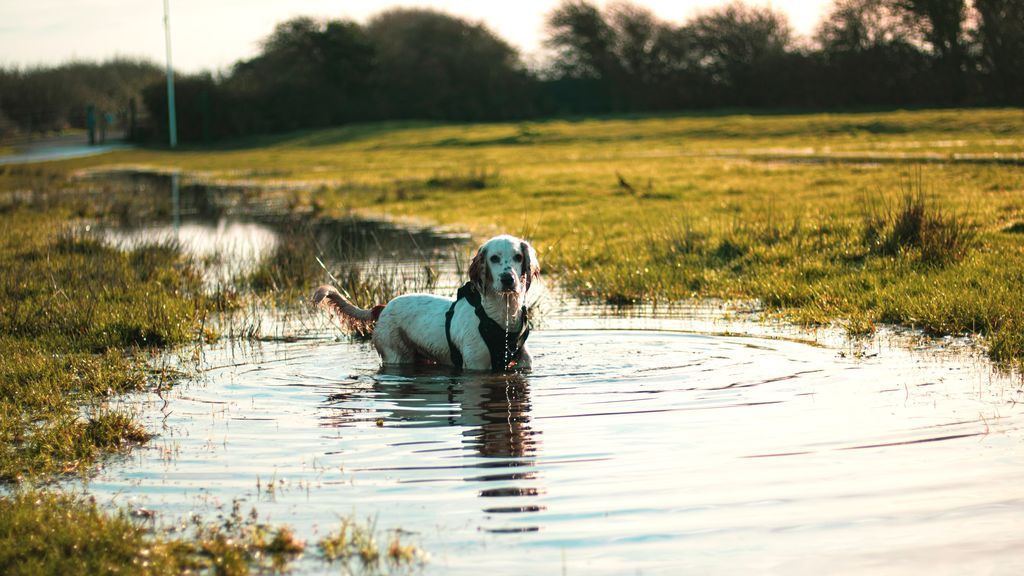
<point x="213" y="34"/>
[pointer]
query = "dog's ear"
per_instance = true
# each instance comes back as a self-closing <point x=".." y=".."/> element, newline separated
<point x="479" y="271"/>
<point x="531" y="267"/>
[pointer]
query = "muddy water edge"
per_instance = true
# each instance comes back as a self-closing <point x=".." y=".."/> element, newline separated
<point x="644" y="441"/>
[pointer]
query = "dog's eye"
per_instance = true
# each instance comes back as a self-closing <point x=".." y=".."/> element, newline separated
<point x="518" y="257"/>
<point x="495" y="259"/>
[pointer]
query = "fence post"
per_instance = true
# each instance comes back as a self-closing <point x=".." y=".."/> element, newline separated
<point x="90" y="123"/>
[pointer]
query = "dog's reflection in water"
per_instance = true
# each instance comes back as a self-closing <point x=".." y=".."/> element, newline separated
<point x="492" y="409"/>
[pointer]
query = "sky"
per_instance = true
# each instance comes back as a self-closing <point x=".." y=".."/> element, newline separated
<point x="211" y="35"/>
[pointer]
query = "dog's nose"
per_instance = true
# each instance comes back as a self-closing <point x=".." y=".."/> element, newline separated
<point x="507" y="281"/>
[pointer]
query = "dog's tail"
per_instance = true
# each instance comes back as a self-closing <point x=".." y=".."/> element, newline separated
<point x="359" y="318"/>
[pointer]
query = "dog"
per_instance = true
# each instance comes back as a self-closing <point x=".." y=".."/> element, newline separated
<point x="484" y="328"/>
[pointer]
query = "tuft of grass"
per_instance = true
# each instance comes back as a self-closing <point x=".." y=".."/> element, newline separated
<point x="917" y="225"/>
<point x="240" y="543"/>
<point x="51" y="533"/>
<point x="471" y="179"/>
<point x="293" y="265"/>
<point x="354" y="541"/>
<point x="48" y="533"/>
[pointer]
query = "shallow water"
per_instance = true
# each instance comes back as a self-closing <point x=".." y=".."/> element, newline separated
<point x="635" y="446"/>
<point x="624" y="451"/>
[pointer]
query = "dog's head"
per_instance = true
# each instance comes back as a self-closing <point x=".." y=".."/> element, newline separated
<point x="504" y="264"/>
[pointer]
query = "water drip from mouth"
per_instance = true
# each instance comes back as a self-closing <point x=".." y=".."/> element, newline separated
<point x="508" y="321"/>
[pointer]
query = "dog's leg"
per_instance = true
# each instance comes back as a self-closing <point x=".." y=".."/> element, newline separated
<point x="525" y="360"/>
<point x="391" y="344"/>
<point x="475" y="355"/>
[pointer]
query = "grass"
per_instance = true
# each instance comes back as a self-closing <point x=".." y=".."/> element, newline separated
<point x="358" y="545"/>
<point x="78" y="323"/>
<point x="911" y="218"/>
<point x="46" y="533"/>
<point x="906" y="217"/>
<point x="52" y="533"/>
<point x="76" y="317"/>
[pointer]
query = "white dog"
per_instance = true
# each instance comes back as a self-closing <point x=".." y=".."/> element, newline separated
<point x="483" y="328"/>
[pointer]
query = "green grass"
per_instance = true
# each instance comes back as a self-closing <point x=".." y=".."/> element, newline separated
<point x="911" y="218"/>
<point x="359" y="546"/>
<point x="78" y="322"/>
<point x="46" y="533"/>
<point x="75" y="315"/>
<point x="784" y="209"/>
<point x="76" y="319"/>
<point x="52" y="533"/>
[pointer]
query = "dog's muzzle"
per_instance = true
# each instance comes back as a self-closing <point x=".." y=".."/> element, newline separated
<point x="508" y="282"/>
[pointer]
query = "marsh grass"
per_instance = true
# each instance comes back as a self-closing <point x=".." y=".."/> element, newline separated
<point x="916" y="224"/>
<point x="48" y="533"/>
<point x="77" y="321"/>
<point x="51" y="533"/>
<point x="76" y="316"/>
<point x="359" y="546"/>
<point x="758" y="208"/>
<point x="80" y="321"/>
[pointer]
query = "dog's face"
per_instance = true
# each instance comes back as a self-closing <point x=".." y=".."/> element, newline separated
<point x="504" y="264"/>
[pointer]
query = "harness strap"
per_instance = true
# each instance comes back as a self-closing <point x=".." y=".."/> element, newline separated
<point x="456" y="355"/>
<point x="505" y="349"/>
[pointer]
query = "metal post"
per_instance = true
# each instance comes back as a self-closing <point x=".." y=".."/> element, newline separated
<point x="172" y="123"/>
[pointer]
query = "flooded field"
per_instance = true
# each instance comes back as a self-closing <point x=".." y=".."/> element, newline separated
<point x="642" y="442"/>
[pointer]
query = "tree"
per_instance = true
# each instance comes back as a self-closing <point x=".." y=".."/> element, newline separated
<point x="1001" y="32"/>
<point x="742" y="50"/>
<point x="432" y="65"/>
<point x="871" y="55"/>
<point x="582" y="40"/>
<point x="43" y="99"/>
<point x="942" y="24"/>
<point x="309" y="73"/>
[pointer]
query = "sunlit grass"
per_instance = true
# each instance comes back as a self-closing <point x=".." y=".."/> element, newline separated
<point x="768" y="207"/>
<point x="51" y="533"/>
<point x="360" y="547"/>
<point x="72" y="311"/>
<point x="910" y="218"/>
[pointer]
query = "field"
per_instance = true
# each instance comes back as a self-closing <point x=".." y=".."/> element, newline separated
<point x="908" y="218"/>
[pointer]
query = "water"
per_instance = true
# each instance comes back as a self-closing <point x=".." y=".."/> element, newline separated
<point x="229" y="228"/>
<point x="625" y="450"/>
<point x="640" y="443"/>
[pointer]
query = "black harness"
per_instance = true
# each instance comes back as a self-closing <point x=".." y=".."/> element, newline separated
<point x="506" y="348"/>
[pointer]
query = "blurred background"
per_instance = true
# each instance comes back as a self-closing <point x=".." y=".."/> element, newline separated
<point x="249" y="68"/>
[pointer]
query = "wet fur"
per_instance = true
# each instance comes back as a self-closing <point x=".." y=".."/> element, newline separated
<point x="411" y="328"/>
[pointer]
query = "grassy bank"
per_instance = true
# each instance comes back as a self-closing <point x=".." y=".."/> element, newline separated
<point x="79" y="320"/>
<point x="786" y="209"/>
<point x="912" y="218"/>
<point x="76" y="318"/>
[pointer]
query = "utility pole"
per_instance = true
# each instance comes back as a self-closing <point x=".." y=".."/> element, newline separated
<point x="172" y="123"/>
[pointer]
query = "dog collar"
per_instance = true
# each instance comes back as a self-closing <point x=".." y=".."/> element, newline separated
<point x="506" y="348"/>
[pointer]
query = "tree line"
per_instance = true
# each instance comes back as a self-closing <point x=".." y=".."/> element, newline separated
<point x="423" y="64"/>
<point x="47" y="99"/>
